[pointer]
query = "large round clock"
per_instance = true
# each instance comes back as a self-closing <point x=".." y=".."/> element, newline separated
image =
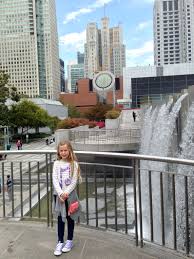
<point x="104" y="81"/>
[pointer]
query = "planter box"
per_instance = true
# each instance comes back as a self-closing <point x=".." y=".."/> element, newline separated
<point x="112" y="123"/>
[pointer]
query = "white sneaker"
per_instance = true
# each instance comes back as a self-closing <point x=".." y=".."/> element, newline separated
<point x="68" y="246"/>
<point x="58" y="249"/>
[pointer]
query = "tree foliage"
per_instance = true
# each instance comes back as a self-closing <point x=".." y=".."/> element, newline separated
<point x="112" y="114"/>
<point x="53" y="122"/>
<point x="6" y="91"/>
<point x="73" y="112"/>
<point x="98" y="111"/>
<point x="29" y="115"/>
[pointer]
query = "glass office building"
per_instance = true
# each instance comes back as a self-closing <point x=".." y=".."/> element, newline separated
<point x="29" y="47"/>
<point x="151" y="84"/>
<point x="150" y="90"/>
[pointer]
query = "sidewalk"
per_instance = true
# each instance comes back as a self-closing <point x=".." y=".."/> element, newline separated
<point x="27" y="240"/>
<point x="16" y="158"/>
<point x="38" y="144"/>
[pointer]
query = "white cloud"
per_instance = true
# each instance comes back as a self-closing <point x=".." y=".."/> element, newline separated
<point x="72" y="16"/>
<point x="73" y="41"/>
<point x="100" y="3"/>
<point x="90" y="8"/>
<point x="141" y="26"/>
<point x="146" y="48"/>
<point x="140" y="56"/>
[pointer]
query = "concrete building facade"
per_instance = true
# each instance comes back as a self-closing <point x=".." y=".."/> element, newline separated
<point x="173" y="32"/>
<point x="29" y="47"/>
<point x="104" y="49"/>
<point x="152" y="84"/>
<point x="62" y="76"/>
<point x="86" y="96"/>
<point x="75" y="72"/>
<point x="80" y="58"/>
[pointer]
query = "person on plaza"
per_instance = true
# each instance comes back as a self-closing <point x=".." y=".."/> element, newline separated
<point x="47" y="141"/>
<point x="134" y="116"/>
<point x="9" y="187"/>
<point x="19" y="144"/>
<point x="66" y="206"/>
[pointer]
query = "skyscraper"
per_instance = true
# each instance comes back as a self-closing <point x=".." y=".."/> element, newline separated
<point x="29" y="46"/>
<point x="62" y="76"/>
<point x="75" y="72"/>
<point x="80" y="58"/>
<point x="173" y="31"/>
<point x="91" y="51"/>
<point x="104" y="49"/>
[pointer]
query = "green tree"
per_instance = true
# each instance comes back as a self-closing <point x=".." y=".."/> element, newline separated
<point x="53" y="122"/>
<point x="6" y="91"/>
<point x="73" y="112"/>
<point x="112" y="114"/>
<point x="26" y="114"/>
<point x="98" y="111"/>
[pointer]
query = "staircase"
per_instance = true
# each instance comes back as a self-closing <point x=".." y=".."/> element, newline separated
<point x="127" y="121"/>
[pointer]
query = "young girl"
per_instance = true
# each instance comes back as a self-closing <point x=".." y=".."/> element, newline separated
<point x="66" y="173"/>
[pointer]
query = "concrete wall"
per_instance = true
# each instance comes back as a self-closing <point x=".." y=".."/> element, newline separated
<point x="112" y="123"/>
<point x="61" y="134"/>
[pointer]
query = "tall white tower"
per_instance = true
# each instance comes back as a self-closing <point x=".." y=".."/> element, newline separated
<point x="104" y="49"/>
<point x="105" y="44"/>
<point x="117" y="51"/>
<point x="91" y="50"/>
<point x="173" y="31"/>
<point x="29" y="47"/>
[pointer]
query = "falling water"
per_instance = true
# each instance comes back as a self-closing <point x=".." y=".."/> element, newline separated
<point x="187" y="152"/>
<point x="157" y="136"/>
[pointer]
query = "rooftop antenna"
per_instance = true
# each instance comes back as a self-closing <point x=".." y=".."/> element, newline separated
<point x="104" y="10"/>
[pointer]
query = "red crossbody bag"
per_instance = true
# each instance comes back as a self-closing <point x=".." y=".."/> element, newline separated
<point x="73" y="207"/>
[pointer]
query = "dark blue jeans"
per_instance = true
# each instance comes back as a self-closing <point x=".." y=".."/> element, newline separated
<point x="61" y="226"/>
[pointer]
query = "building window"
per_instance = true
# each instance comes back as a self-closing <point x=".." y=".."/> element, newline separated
<point x="170" y="5"/>
<point x="164" y="6"/>
<point x="176" y="5"/>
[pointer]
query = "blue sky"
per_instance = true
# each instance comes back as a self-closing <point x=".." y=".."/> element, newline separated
<point x="135" y="16"/>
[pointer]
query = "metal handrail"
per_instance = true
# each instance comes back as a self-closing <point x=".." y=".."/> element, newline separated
<point x="110" y="154"/>
<point x="94" y="173"/>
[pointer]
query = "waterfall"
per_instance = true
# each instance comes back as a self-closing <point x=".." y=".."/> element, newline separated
<point x="187" y="152"/>
<point x="157" y="136"/>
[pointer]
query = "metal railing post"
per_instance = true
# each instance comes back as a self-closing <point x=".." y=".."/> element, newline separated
<point x="140" y="203"/>
<point x="47" y="190"/>
<point x="135" y="199"/>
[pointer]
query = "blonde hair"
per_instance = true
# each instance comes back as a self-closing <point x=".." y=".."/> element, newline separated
<point x="71" y="158"/>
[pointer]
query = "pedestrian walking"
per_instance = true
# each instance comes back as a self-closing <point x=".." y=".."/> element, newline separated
<point x="9" y="187"/>
<point x="47" y="141"/>
<point x="19" y="144"/>
<point x="66" y="206"/>
<point x="134" y="116"/>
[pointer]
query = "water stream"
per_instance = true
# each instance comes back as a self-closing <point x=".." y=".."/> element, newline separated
<point x="158" y="134"/>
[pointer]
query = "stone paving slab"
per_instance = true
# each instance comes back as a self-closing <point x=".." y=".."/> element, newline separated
<point x="27" y="240"/>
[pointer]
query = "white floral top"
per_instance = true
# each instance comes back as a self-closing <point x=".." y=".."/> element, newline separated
<point x="63" y="179"/>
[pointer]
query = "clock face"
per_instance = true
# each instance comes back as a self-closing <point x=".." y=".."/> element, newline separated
<point x="103" y="81"/>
